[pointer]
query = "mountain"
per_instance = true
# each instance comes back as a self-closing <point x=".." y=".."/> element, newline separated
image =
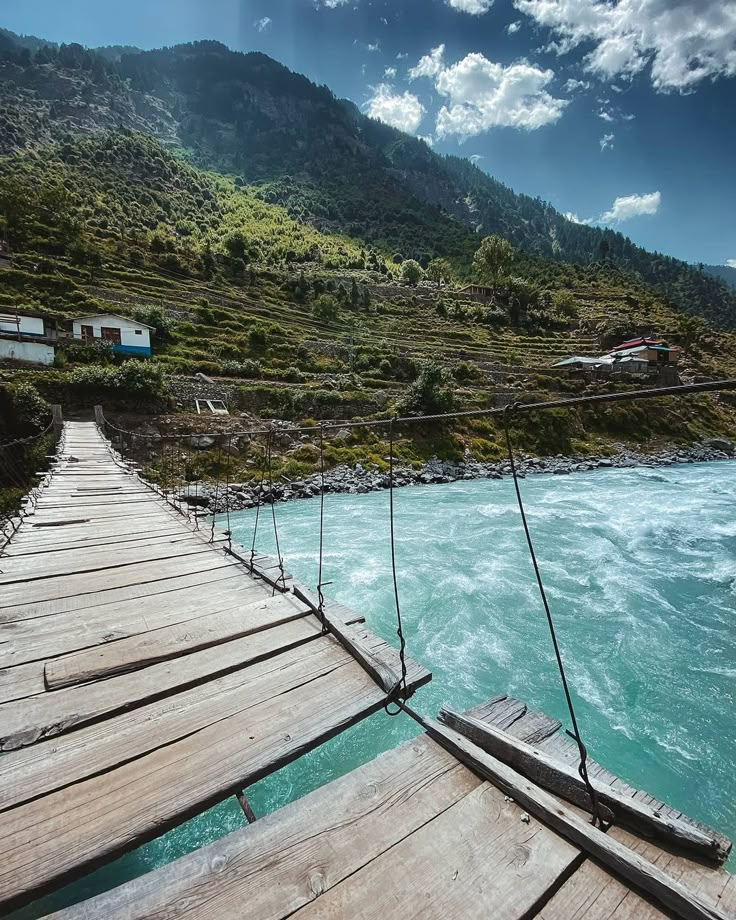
<point x="300" y="147"/>
<point x="725" y="273"/>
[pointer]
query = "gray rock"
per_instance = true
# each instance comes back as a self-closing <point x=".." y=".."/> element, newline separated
<point x="201" y="441"/>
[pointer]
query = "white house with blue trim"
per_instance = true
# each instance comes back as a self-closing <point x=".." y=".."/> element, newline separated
<point x="127" y="336"/>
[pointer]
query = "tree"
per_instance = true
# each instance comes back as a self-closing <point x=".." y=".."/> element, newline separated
<point x="411" y="272"/>
<point x="439" y="271"/>
<point x="431" y="392"/>
<point x="354" y="294"/>
<point x="493" y="259"/>
<point x="325" y="308"/>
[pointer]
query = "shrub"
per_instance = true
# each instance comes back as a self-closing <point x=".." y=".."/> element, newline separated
<point x="132" y="382"/>
<point x="245" y="368"/>
<point x="430" y="393"/>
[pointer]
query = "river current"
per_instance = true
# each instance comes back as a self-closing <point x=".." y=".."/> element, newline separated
<point x="640" y="570"/>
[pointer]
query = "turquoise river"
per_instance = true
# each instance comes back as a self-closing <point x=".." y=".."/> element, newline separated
<point x="640" y="567"/>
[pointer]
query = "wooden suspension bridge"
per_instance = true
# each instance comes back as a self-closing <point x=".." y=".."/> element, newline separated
<point x="150" y="670"/>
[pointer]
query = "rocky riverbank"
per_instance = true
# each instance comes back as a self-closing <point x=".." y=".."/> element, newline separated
<point x="359" y="479"/>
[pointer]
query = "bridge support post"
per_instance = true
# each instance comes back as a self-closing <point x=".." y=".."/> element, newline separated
<point x="57" y="420"/>
<point x="100" y="419"/>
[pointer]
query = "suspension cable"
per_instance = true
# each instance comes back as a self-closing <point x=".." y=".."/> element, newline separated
<point x="400" y="630"/>
<point x="228" y="454"/>
<point x="282" y="576"/>
<point x="259" y="501"/>
<point x="575" y="734"/>
<point x="217" y="492"/>
<point x="320" y="583"/>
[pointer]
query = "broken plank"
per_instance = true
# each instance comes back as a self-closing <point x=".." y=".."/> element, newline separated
<point x="636" y="870"/>
<point x="565" y="781"/>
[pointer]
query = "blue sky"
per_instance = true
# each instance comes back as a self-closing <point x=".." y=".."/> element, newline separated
<point x="618" y="114"/>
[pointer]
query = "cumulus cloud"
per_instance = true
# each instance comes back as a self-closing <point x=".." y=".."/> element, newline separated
<point x="606" y="141"/>
<point x="390" y="73"/>
<point x="262" y="24"/>
<point x="331" y="4"/>
<point x="431" y="65"/>
<point x="606" y="116"/>
<point x="572" y="86"/>
<point x="474" y="7"/>
<point x="572" y="216"/>
<point x="681" y="41"/>
<point x="401" y="110"/>
<point x="632" y="206"/>
<point x="731" y="263"/>
<point x="513" y="27"/>
<point x="482" y="95"/>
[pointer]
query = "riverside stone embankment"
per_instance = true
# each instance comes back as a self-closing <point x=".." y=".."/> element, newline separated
<point x="359" y="479"/>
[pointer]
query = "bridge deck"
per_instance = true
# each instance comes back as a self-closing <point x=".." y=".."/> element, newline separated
<point x="413" y="833"/>
<point x="145" y="674"/>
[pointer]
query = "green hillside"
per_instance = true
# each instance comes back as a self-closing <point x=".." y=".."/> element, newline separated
<point x="299" y="146"/>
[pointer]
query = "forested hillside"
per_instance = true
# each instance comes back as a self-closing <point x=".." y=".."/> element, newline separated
<point x="298" y="146"/>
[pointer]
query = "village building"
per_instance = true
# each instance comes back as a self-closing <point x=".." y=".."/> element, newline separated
<point x="127" y="336"/>
<point x="477" y="292"/>
<point x="28" y="338"/>
<point x="639" y="357"/>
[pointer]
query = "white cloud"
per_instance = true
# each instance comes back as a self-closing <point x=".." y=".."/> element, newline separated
<point x="572" y="216"/>
<point x="401" y="55"/>
<point x="632" y="206"/>
<point x="373" y="46"/>
<point x="606" y="141"/>
<point x="390" y="73"/>
<point x="331" y="4"/>
<point x="731" y="263"/>
<point x="606" y="116"/>
<point x="474" y="7"/>
<point x="513" y="27"/>
<point x="401" y="110"/>
<point x="475" y="157"/>
<point x="484" y="95"/>
<point x="682" y="41"/>
<point x="430" y="65"/>
<point x="572" y="86"/>
<point x="262" y="24"/>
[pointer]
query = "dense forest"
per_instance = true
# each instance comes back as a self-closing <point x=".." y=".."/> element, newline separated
<point x="296" y="145"/>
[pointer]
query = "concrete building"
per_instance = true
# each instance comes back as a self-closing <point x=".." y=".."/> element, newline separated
<point x="127" y="336"/>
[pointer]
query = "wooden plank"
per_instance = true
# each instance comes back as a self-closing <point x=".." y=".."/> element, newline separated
<point x="171" y="641"/>
<point x="191" y="574"/>
<point x="58" y="634"/>
<point x="57" y="837"/>
<point x="24" y="680"/>
<point x="328" y="835"/>
<point x="630" y="866"/>
<point x="37" y="545"/>
<point x="476" y="859"/>
<point x="565" y="781"/>
<point x="32" y="568"/>
<point x="74" y="586"/>
<point x="384" y="676"/>
<point x="593" y="893"/>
